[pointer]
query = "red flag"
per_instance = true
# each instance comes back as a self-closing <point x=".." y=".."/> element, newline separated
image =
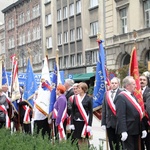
<point x="134" y="71"/>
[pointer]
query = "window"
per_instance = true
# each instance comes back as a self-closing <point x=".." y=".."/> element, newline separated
<point x="60" y="62"/>
<point x="78" y="6"/>
<point x="72" y="35"/>
<point x="93" y="3"/>
<point x="51" y="64"/>
<point x="38" y="33"/>
<point x="35" y="11"/>
<point x="123" y="17"/>
<point x="66" y="37"/>
<point x="11" y="23"/>
<point x="3" y="47"/>
<point x="21" y="19"/>
<point x="49" y="42"/>
<point x="46" y="1"/>
<point x="94" y="56"/>
<point x="23" y="38"/>
<point x="72" y="60"/>
<point x="59" y="15"/>
<point x="48" y="19"/>
<point x="147" y="13"/>
<point x="28" y="15"/>
<point x="11" y="42"/>
<point x="94" y="28"/>
<point x="66" y="61"/>
<point x="79" y="59"/>
<point x="71" y="9"/>
<point x="29" y="37"/>
<point x="79" y="33"/>
<point x="59" y="38"/>
<point x="65" y="15"/>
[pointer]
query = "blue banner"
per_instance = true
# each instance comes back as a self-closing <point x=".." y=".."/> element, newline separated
<point x="37" y="77"/>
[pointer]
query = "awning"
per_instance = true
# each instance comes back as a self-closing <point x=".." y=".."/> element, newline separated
<point x="83" y="77"/>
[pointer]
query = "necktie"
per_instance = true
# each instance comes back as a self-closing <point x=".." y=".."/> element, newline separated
<point x="112" y="94"/>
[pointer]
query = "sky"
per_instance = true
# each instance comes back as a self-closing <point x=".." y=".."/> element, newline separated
<point x="3" y="5"/>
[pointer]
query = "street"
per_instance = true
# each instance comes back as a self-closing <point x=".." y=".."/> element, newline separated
<point x="99" y="136"/>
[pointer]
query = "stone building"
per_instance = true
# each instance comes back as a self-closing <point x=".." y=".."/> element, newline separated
<point x="122" y="19"/>
<point x="40" y="27"/>
<point x="72" y="27"/>
<point x="23" y="33"/>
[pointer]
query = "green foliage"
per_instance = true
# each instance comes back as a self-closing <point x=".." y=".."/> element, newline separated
<point x="22" y="141"/>
<point x="124" y="71"/>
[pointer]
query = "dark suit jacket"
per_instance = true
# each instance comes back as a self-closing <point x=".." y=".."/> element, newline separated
<point x="108" y="118"/>
<point x="22" y="111"/>
<point x="128" y="118"/>
<point x="68" y="94"/>
<point x="87" y="103"/>
<point x="146" y="98"/>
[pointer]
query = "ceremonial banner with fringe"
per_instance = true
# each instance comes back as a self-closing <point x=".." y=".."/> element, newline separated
<point x="30" y="86"/>
<point x="15" y="83"/>
<point x="99" y="87"/>
<point x="43" y="99"/>
<point x="134" y="71"/>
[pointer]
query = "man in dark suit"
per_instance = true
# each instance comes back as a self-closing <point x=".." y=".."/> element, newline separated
<point x="129" y="116"/>
<point x="109" y="114"/>
<point x="145" y="142"/>
<point x="69" y="91"/>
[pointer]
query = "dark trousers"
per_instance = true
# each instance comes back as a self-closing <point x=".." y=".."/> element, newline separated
<point x="27" y="128"/>
<point x="132" y="143"/>
<point x="114" y="139"/>
<point x="43" y="127"/>
<point x="146" y="142"/>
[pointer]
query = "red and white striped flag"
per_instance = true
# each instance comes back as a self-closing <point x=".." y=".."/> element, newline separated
<point x="15" y="83"/>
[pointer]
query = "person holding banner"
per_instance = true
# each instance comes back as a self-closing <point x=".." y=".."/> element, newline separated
<point x="82" y="116"/>
<point x="146" y="98"/>
<point x="3" y="109"/>
<point x="40" y="120"/>
<point x="60" y="112"/>
<point x="109" y="114"/>
<point x="129" y="116"/>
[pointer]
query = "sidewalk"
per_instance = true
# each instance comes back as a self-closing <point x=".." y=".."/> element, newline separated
<point x="98" y="134"/>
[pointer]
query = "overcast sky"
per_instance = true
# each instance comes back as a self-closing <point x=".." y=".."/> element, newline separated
<point x="3" y="5"/>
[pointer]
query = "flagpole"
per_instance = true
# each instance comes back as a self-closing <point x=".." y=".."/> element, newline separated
<point x="135" y="45"/>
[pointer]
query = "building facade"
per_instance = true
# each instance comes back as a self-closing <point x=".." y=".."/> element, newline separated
<point x="23" y="33"/>
<point x="40" y="27"/>
<point x="123" y="18"/>
<point x="72" y="27"/>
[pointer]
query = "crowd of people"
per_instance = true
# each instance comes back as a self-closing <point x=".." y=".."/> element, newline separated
<point x="71" y="117"/>
<point x="126" y="124"/>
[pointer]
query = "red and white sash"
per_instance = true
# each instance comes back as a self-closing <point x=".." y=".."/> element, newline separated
<point x="26" y="118"/>
<point x="134" y="103"/>
<point x="2" y="108"/>
<point x="84" y="115"/>
<point x="61" y="131"/>
<point x="110" y="102"/>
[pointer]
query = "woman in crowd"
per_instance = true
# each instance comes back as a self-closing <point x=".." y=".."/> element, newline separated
<point x="60" y="112"/>
<point x="82" y="115"/>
